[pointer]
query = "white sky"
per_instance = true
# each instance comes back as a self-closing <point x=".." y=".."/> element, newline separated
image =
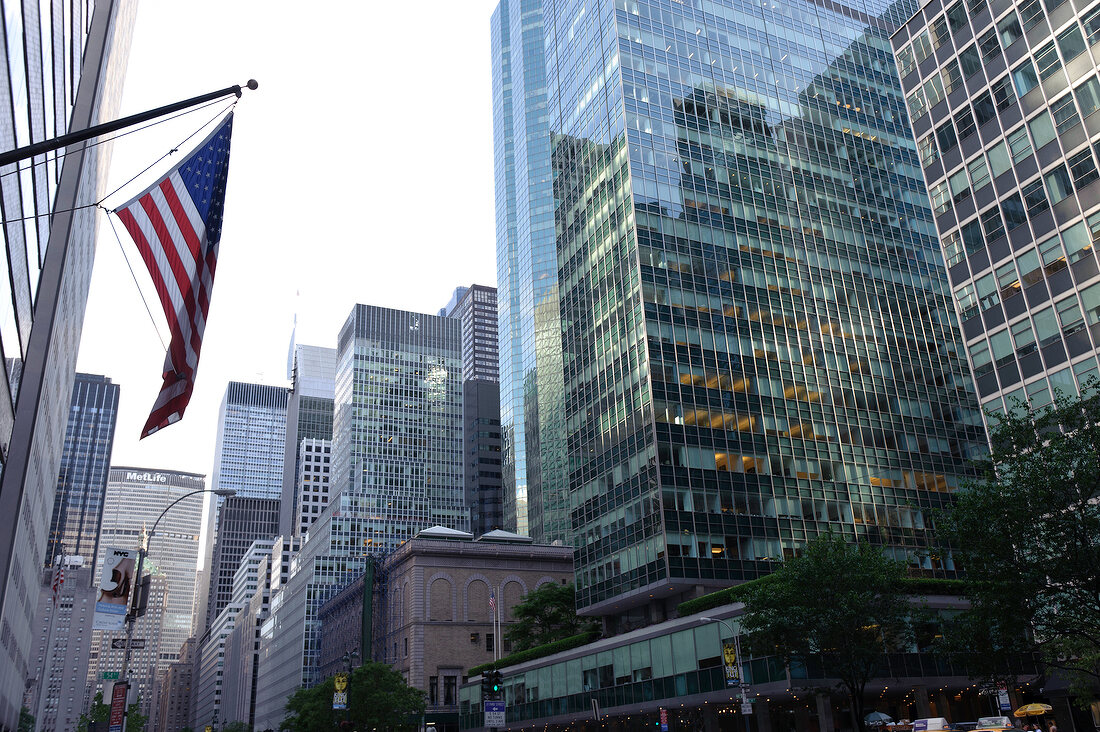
<point x="361" y="171"/>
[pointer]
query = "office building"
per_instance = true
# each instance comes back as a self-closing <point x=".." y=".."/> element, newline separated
<point x="241" y="521"/>
<point x="312" y="373"/>
<point x="248" y="454"/>
<point x="64" y="647"/>
<point x="174" y="698"/>
<point x="136" y="499"/>
<point x="70" y="83"/>
<point x="85" y="462"/>
<point x="532" y="390"/>
<point x="314" y="477"/>
<point x="214" y="667"/>
<point x="476" y="308"/>
<point x="242" y="645"/>
<point x="396" y="469"/>
<point x="1002" y="99"/>
<point x="756" y="334"/>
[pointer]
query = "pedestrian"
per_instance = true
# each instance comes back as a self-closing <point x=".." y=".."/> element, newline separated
<point x="1053" y="727"/>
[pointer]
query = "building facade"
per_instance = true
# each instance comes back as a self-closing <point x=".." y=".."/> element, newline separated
<point x="248" y="454"/>
<point x="429" y="615"/>
<point x="85" y="462"/>
<point x="529" y="316"/>
<point x="1002" y="98"/>
<point x="242" y="648"/>
<point x="396" y="469"/>
<point x="312" y="373"/>
<point x="758" y="341"/>
<point x="175" y="691"/>
<point x="241" y="521"/>
<point x="75" y="84"/>
<point x="476" y="308"/>
<point x="314" y="477"/>
<point x="65" y="644"/>
<point x="136" y="499"/>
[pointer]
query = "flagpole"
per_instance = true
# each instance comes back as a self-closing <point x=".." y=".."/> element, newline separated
<point x="56" y="143"/>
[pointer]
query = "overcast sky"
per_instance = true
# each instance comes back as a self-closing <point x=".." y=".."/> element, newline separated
<point x="361" y="171"/>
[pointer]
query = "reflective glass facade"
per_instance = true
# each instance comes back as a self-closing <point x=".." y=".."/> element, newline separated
<point x="528" y="309"/>
<point x="63" y="66"/>
<point x="757" y="341"/>
<point x="1003" y="99"/>
<point x="85" y="462"/>
<point x="312" y="372"/>
<point x="248" y="455"/>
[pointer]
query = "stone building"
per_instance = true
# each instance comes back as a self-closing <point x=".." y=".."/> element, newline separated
<point x="431" y="619"/>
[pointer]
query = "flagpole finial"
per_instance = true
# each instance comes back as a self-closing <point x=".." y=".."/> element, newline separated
<point x="253" y="84"/>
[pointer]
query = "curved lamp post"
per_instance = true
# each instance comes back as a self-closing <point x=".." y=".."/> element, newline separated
<point x="737" y="644"/>
<point x="131" y="616"/>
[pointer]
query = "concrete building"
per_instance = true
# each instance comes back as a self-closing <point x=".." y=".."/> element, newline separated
<point x="136" y="498"/>
<point x="174" y="713"/>
<point x="241" y="521"/>
<point x="314" y="478"/>
<point x="431" y="615"/>
<point x="50" y="247"/>
<point x="85" y="462"/>
<point x="1002" y="99"/>
<point x="65" y="644"/>
<point x="312" y="374"/>
<point x="396" y="469"/>
<point x="242" y="647"/>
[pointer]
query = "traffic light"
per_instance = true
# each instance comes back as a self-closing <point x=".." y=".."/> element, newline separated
<point x="495" y="684"/>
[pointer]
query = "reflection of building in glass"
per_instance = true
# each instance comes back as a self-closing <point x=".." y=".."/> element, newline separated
<point x="754" y="332"/>
<point x="62" y="70"/>
<point x="85" y="460"/>
<point x="531" y="394"/>
<point x="1005" y="125"/>
<point x="135" y="499"/>
<point x="396" y="469"/>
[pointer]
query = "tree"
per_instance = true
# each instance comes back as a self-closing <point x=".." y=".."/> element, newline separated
<point x="546" y="614"/>
<point x="378" y="698"/>
<point x="1027" y="534"/>
<point x="839" y="606"/>
<point x="236" y="727"/>
<point x="100" y="713"/>
<point x="26" y="720"/>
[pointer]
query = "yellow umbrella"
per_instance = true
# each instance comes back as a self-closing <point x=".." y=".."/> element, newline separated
<point x="1033" y="710"/>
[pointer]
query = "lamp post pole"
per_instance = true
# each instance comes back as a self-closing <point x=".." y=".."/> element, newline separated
<point x="348" y="660"/>
<point x="737" y="650"/>
<point x="132" y="615"/>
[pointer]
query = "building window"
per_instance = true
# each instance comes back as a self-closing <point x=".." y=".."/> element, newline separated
<point x="1031" y="13"/>
<point x="970" y="60"/>
<point x="1058" y="184"/>
<point x="1047" y="61"/>
<point x="945" y="136"/>
<point x="1082" y="168"/>
<point x="1024" y="77"/>
<point x="1003" y="95"/>
<point x="952" y="75"/>
<point x="956" y="16"/>
<point x="928" y="151"/>
<point x="1064" y="113"/>
<point x="489" y="642"/>
<point x="1071" y="43"/>
<point x="993" y="225"/>
<point x="1088" y="96"/>
<point x="1009" y="29"/>
<point x="433" y="690"/>
<point x="964" y="123"/>
<point x="450" y="689"/>
<point x="1023" y="337"/>
<point x="1035" y="198"/>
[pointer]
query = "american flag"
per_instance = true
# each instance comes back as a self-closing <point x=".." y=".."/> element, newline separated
<point x="58" y="578"/>
<point x="492" y="601"/>
<point x="177" y="224"/>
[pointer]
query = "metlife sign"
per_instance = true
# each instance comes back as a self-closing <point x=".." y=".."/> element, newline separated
<point x="135" y="477"/>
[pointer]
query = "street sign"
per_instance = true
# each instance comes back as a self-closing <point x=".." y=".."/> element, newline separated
<point x="119" y="644"/>
<point x="1002" y="697"/>
<point x="746" y="708"/>
<point x="109" y="676"/>
<point x="494" y="714"/>
<point x="340" y="700"/>
<point x="118" y="708"/>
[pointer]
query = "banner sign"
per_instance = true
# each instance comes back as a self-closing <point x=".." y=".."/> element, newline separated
<point x="733" y="668"/>
<point x="114" y="589"/>
<point x="1002" y="697"/>
<point x="340" y="700"/>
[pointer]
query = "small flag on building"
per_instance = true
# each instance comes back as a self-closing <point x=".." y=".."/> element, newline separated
<point x="177" y="224"/>
<point x="58" y="578"/>
<point x="492" y="601"/>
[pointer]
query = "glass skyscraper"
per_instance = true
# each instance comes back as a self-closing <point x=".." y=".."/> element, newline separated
<point x="312" y="373"/>
<point x="756" y="340"/>
<point x="248" y="455"/>
<point x="1003" y="99"/>
<point x="62" y="69"/>
<point x="85" y="463"/>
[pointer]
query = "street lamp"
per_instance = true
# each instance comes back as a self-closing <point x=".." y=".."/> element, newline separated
<point x="737" y="646"/>
<point x="348" y="660"/>
<point x="131" y="616"/>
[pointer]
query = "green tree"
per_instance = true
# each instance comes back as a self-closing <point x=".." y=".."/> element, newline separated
<point x="100" y="712"/>
<point x="546" y="614"/>
<point x="26" y="720"/>
<point x="839" y="606"/>
<point x="236" y="727"/>
<point x="378" y="698"/>
<point x="1027" y="535"/>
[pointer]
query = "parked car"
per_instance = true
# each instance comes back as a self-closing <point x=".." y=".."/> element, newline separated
<point x="996" y="723"/>
<point x="932" y="724"/>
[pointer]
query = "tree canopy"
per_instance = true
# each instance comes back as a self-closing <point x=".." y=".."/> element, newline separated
<point x="1027" y="535"/>
<point x="101" y="712"/>
<point x="378" y="698"/>
<point x="839" y="606"/>
<point x="546" y="614"/>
